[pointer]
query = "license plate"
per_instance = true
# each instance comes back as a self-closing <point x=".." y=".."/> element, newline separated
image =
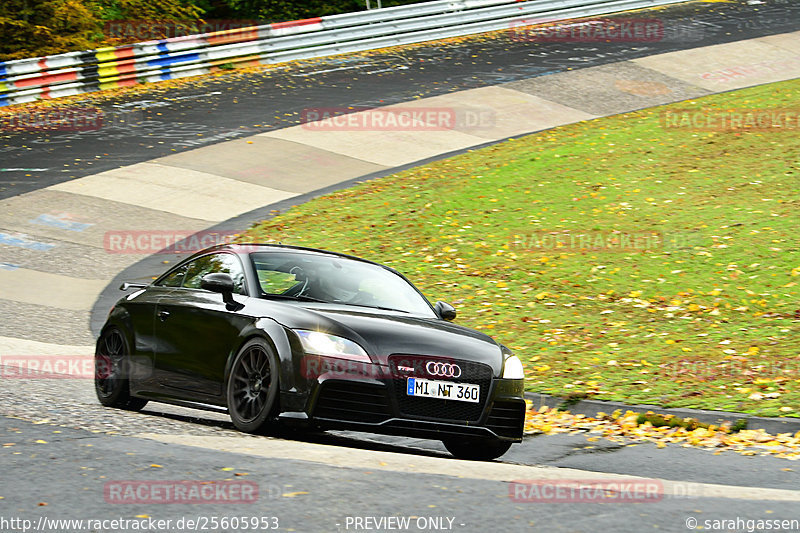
<point x="444" y="390"/>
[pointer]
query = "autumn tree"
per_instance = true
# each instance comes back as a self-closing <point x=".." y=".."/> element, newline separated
<point x="30" y="28"/>
<point x="279" y="10"/>
<point x="149" y="9"/>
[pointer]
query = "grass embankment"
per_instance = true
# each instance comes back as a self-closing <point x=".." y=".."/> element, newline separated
<point x="702" y="313"/>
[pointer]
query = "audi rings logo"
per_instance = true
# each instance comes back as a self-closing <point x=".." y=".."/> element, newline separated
<point x="445" y="370"/>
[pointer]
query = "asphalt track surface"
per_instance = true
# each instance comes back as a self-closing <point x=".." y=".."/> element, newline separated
<point x="74" y="465"/>
<point x="166" y="121"/>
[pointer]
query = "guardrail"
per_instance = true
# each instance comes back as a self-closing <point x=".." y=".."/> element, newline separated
<point x="27" y="80"/>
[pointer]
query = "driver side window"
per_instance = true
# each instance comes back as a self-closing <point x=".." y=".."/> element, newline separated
<point x="174" y="279"/>
<point x="223" y="263"/>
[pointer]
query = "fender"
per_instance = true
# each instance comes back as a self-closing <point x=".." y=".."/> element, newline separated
<point x="119" y="318"/>
<point x="275" y="335"/>
<point x="140" y="364"/>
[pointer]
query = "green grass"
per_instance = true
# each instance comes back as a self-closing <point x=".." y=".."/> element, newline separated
<point x="707" y="319"/>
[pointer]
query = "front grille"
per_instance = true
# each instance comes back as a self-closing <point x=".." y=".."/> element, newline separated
<point x="353" y="402"/>
<point x="435" y="408"/>
<point x="507" y="418"/>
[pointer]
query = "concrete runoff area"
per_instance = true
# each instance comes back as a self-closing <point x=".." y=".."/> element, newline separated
<point x="109" y="254"/>
<point x="12" y="345"/>
<point x="265" y="161"/>
<point x="65" y="217"/>
<point x="46" y="288"/>
<point x="184" y="192"/>
<point x="389" y="148"/>
<point x="610" y="89"/>
<point x="729" y="66"/>
<point x="44" y="323"/>
<point x="490" y="113"/>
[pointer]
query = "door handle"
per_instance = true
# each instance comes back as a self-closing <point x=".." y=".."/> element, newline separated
<point x="163" y="315"/>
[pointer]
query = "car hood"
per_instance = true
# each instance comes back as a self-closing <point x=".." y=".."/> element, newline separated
<point x="383" y="333"/>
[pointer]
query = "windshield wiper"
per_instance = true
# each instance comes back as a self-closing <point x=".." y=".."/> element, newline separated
<point x="299" y="298"/>
<point x="378" y="307"/>
<point x="304" y="298"/>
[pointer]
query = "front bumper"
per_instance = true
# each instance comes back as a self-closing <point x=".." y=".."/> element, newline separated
<point x="379" y="406"/>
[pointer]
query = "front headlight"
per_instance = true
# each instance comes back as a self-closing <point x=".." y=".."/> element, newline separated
<point x="512" y="368"/>
<point x="318" y="343"/>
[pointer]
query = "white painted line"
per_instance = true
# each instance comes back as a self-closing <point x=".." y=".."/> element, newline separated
<point x="314" y="73"/>
<point x="391" y="69"/>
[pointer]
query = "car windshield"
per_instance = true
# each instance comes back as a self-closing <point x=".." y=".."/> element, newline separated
<point x="330" y="279"/>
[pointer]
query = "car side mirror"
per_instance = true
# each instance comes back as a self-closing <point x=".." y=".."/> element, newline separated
<point x="221" y="283"/>
<point x="445" y="311"/>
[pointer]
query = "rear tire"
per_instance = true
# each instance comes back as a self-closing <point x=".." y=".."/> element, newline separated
<point x="476" y="450"/>
<point x="252" y="389"/>
<point x="111" y="372"/>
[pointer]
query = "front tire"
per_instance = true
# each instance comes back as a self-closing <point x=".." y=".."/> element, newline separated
<point x="111" y="372"/>
<point x="476" y="450"/>
<point x="252" y="389"/>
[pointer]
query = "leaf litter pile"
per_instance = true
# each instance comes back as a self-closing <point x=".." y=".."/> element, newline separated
<point x="632" y="428"/>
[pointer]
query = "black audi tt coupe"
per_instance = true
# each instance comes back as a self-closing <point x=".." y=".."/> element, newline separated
<point x="275" y="333"/>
